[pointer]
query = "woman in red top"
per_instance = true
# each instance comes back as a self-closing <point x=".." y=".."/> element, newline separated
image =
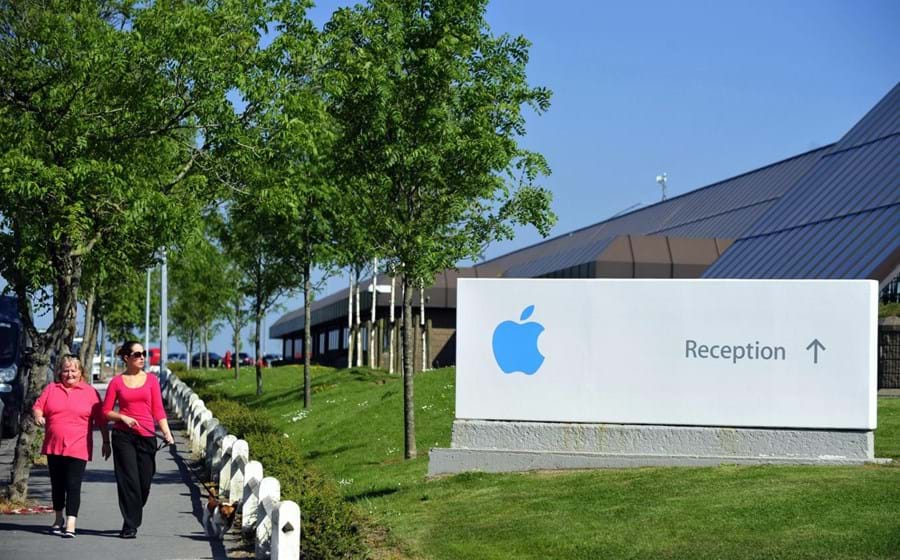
<point x="133" y="442"/>
<point x="67" y="408"/>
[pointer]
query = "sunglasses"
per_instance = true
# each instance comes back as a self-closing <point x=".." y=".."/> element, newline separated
<point x="136" y="355"/>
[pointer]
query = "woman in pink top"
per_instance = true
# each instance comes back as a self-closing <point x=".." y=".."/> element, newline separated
<point x="67" y="409"/>
<point x="133" y="441"/>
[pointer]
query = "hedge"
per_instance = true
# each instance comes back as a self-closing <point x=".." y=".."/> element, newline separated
<point x="331" y="528"/>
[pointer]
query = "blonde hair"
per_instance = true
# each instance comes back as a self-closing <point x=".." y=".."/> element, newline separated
<point x="69" y="359"/>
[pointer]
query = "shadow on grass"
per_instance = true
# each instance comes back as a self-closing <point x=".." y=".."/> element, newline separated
<point x="315" y="454"/>
<point x="353" y="498"/>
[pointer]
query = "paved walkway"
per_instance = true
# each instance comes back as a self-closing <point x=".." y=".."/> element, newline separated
<point x="172" y="517"/>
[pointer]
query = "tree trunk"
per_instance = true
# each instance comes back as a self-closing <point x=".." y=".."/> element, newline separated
<point x="87" y="351"/>
<point x="258" y="319"/>
<point x="425" y="364"/>
<point x="349" y="322"/>
<point x="358" y="324"/>
<point x="204" y="357"/>
<point x="190" y="350"/>
<point x="90" y="340"/>
<point x="307" y="337"/>
<point x="409" y="421"/>
<point x="65" y="344"/>
<point x="391" y="349"/>
<point x="36" y="358"/>
<point x="237" y="338"/>
<point x="35" y="363"/>
<point x="374" y="305"/>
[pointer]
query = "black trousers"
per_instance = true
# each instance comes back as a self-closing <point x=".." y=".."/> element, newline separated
<point x="65" y="482"/>
<point x="134" y="460"/>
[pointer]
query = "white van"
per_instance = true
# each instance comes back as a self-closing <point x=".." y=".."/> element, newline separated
<point x="95" y="361"/>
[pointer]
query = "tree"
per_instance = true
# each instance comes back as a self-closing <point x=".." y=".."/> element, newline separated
<point x="201" y="288"/>
<point x="429" y="107"/>
<point x="254" y="240"/>
<point x="236" y="312"/>
<point x="283" y="199"/>
<point x="105" y="110"/>
<point x="122" y="302"/>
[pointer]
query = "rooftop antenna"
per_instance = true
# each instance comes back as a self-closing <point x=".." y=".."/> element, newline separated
<point x="661" y="179"/>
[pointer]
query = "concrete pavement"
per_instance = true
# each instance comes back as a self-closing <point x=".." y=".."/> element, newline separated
<point x="172" y="517"/>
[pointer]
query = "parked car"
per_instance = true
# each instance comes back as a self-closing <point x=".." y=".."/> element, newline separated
<point x="177" y="357"/>
<point x="245" y="359"/>
<point x="12" y="385"/>
<point x="272" y="360"/>
<point x="153" y="355"/>
<point x="215" y="360"/>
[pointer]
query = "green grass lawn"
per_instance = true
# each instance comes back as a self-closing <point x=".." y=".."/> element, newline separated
<point x="354" y="431"/>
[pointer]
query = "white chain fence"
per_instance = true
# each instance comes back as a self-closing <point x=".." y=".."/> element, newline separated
<point x="275" y="523"/>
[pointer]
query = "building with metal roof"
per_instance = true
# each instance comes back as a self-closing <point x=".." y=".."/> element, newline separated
<point x="833" y="212"/>
<point x="840" y="220"/>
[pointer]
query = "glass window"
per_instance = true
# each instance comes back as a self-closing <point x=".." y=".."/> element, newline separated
<point x="9" y="343"/>
<point x="333" y="339"/>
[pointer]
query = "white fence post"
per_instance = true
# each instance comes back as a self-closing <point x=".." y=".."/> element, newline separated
<point x="214" y="451"/>
<point x="195" y="409"/>
<point x="205" y="432"/>
<point x="269" y="496"/>
<point x="172" y="393"/>
<point x="165" y="379"/>
<point x="223" y="464"/>
<point x="253" y="474"/>
<point x="186" y="401"/>
<point x="240" y="455"/>
<point x="197" y="432"/>
<point x="286" y="531"/>
<point x="275" y="524"/>
<point x="178" y="398"/>
<point x="189" y="402"/>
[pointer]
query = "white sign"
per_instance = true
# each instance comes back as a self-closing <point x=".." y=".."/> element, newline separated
<point x="742" y="353"/>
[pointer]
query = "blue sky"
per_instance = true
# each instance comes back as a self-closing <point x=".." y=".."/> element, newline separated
<point x="701" y="90"/>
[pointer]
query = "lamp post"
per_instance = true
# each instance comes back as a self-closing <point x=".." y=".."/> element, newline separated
<point x="164" y="314"/>
<point x="147" y="315"/>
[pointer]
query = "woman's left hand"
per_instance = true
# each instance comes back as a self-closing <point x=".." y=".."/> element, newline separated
<point x="105" y="450"/>
<point x="169" y="439"/>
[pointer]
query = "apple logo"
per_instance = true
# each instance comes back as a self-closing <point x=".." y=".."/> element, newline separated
<point x="515" y="345"/>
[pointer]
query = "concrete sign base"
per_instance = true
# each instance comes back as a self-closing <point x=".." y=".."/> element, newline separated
<point x="504" y="446"/>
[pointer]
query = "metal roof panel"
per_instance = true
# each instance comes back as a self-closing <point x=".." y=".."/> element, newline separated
<point x="852" y="246"/>
<point x="882" y="120"/>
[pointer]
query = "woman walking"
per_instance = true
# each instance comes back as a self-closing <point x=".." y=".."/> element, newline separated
<point x="68" y="408"/>
<point x="133" y="441"/>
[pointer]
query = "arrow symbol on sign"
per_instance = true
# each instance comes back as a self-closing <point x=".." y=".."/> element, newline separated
<point x="815" y="345"/>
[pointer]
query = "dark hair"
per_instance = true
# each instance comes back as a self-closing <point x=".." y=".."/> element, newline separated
<point x="125" y="350"/>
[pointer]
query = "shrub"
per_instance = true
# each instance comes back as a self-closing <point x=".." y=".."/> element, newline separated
<point x="240" y="420"/>
<point x="178" y="368"/>
<point x="331" y="527"/>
